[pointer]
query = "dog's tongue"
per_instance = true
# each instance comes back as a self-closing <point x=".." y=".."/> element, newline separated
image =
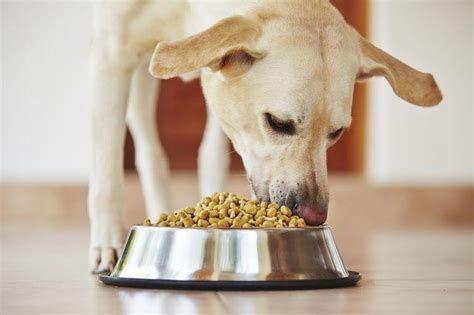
<point x="312" y="216"/>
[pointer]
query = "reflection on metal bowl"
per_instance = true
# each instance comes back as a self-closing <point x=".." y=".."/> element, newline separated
<point x="230" y="258"/>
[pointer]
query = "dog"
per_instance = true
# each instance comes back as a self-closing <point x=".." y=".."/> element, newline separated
<point x="278" y="79"/>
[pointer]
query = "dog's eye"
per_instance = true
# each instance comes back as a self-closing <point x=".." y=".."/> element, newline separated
<point x="335" y="134"/>
<point x="280" y="126"/>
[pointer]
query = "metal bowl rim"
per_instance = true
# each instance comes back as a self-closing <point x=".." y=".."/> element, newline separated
<point x="273" y="229"/>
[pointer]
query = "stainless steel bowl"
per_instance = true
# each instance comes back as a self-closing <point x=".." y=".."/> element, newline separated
<point x="230" y="258"/>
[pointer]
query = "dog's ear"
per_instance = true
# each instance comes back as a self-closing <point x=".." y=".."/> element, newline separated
<point x="411" y="85"/>
<point x="229" y="45"/>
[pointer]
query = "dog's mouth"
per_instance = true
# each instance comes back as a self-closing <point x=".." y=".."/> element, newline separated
<point x="312" y="212"/>
<point x="312" y="215"/>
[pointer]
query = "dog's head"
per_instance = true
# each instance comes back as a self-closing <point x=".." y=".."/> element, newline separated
<point x="280" y="81"/>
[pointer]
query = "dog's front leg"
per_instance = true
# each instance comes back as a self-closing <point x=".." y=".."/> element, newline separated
<point x="214" y="158"/>
<point x="150" y="157"/>
<point x="110" y="84"/>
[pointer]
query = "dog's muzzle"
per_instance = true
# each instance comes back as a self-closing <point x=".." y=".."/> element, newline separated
<point x="312" y="207"/>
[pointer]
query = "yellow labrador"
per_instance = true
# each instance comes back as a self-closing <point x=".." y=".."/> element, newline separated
<point x="278" y="77"/>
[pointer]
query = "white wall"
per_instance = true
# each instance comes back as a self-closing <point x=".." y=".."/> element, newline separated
<point x="408" y="144"/>
<point x="44" y="122"/>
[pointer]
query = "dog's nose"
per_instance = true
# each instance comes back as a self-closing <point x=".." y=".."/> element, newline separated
<point x="314" y="213"/>
<point x="313" y="208"/>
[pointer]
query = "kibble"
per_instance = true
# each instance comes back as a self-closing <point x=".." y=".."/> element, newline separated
<point x="271" y="212"/>
<point x="228" y="210"/>
<point x="213" y="220"/>
<point x="203" y="223"/>
<point x="204" y="214"/>
<point x="260" y="213"/>
<point x="223" y="223"/>
<point x="285" y="211"/>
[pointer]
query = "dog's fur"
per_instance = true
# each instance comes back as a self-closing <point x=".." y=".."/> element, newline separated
<point x="290" y="63"/>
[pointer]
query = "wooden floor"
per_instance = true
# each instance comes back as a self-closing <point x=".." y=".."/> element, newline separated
<point x="413" y="246"/>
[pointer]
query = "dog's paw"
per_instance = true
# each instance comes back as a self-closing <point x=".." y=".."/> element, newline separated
<point x="106" y="246"/>
<point x="103" y="259"/>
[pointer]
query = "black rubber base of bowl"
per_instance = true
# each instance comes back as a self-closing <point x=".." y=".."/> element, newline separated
<point x="351" y="280"/>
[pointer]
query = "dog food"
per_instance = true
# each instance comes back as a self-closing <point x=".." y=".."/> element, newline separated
<point x="227" y="210"/>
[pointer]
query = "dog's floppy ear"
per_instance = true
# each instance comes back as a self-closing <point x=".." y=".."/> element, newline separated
<point x="231" y="40"/>
<point x="411" y="85"/>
